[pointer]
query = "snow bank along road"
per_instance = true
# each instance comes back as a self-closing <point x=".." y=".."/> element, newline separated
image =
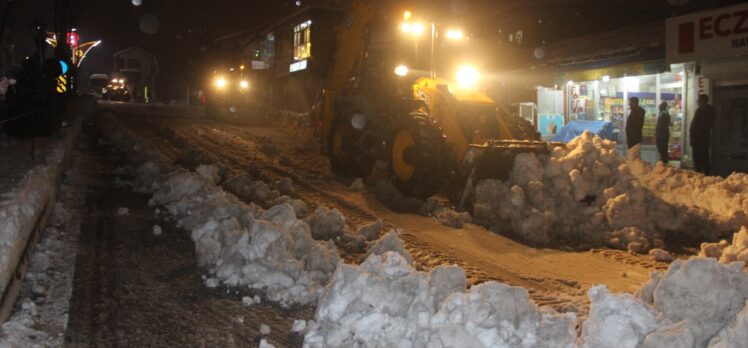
<point x="262" y="242"/>
<point x="24" y="210"/>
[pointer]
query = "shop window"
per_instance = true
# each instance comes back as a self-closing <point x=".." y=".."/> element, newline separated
<point x="302" y="43"/>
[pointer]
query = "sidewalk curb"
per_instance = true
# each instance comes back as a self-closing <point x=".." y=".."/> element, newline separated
<point x="28" y="212"/>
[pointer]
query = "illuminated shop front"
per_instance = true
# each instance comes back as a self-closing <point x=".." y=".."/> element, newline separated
<point x="600" y="97"/>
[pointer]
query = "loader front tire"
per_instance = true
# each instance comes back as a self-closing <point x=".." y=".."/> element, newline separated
<point x="417" y="157"/>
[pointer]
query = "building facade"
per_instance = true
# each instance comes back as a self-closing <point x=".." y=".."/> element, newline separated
<point x="139" y="68"/>
<point x="290" y="58"/>
<point x="713" y="46"/>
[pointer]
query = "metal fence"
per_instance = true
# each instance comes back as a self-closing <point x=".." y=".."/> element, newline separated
<point x="33" y="116"/>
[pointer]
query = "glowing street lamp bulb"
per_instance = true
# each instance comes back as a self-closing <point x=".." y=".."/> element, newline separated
<point x="406" y="27"/>
<point x="455" y="34"/>
<point x="401" y="70"/>
<point x="407" y="15"/>
<point x="244" y="84"/>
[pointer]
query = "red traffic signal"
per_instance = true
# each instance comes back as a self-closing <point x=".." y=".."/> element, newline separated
<point x="73" y="38"/>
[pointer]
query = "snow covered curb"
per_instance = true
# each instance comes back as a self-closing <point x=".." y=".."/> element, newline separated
<point x="33" y="199"/>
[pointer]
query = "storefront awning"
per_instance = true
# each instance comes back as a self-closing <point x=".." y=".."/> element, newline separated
<point x="630" y="69"/>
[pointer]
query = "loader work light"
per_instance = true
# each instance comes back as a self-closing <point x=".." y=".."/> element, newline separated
<point x="467" y="77"/>
<point x="455" y="34"/>
<point x="220" y="83"/>
<point x="401" y="70"/>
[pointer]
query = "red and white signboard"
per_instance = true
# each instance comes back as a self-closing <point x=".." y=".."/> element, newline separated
<point x="721" y="33"/>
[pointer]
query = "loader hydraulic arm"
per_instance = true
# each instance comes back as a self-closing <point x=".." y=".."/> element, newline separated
<point x="349" y="48"/>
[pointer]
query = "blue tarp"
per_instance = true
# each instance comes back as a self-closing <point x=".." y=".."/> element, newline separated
<point x="574" y="128"/>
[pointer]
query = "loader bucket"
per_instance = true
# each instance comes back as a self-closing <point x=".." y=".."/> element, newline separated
<point x="495" y="159"/>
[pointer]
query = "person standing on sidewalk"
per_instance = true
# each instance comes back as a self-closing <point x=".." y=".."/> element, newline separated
<point x="700" y="133"/>
<point x="634" y="123"/>
<point x="662" y="133"/>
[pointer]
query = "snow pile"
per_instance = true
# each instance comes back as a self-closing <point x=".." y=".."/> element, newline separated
<point x="616" y="320"/>
<point x="583" y="194"/>
<point x="243" y="245"/>
<point x="209" y="172"/>
<point x="326" y="223"/>
<point x="385" y="302"/>
<point x="726" y="252"/>
<point x="696" y="300"/>
<point x="725" y="199"/>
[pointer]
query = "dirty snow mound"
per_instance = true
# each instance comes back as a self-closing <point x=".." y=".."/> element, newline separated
<point x="371" y="231"/>
<point x="242" y="245"/>
<point x="389" y="242"/>
<point x="725" y="199"/>
<point x="616" y="320"/>
<point x="726" y="252"/>
<point x="385" y="302"/>
<point x="735" y="334"/>
<point x="583" y="194"/>
<point x="326" y="223"/>
<point x="299" y="325"/>
<point x="209" y="172"/>
<point x="451" y="218"/>
<point x="357" y="185"/>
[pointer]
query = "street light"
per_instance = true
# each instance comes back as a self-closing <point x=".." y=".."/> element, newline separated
<point x="244" y="84"/>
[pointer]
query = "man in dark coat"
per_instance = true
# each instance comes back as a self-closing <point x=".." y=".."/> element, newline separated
<point x="662" y="133"/>
<point x="700" y="133"/>
<point x="634" y="123"/>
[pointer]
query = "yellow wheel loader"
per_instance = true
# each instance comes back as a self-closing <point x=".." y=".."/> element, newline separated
<point x="437" y="135"/>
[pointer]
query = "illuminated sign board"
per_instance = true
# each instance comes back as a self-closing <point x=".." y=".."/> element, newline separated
<point x="300" y="65"/>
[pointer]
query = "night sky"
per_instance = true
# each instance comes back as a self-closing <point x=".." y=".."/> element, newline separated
<point x="183" y="25"/>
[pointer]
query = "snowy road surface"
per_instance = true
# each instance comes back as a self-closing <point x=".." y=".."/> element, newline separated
<point x="223" y="253"/>
<point x="556" y="278"/>
<point x="131" y="287"/>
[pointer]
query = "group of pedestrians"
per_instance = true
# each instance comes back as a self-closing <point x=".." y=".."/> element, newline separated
<point x="700" y="131"/>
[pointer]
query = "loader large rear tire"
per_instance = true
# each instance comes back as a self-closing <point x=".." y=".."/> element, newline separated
<point x="417" y="156"/>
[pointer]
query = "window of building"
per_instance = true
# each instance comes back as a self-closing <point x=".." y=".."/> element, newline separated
<point x="519" y="36"/>
<point x="302" y="43"/>
<point x="133" y="63"/>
